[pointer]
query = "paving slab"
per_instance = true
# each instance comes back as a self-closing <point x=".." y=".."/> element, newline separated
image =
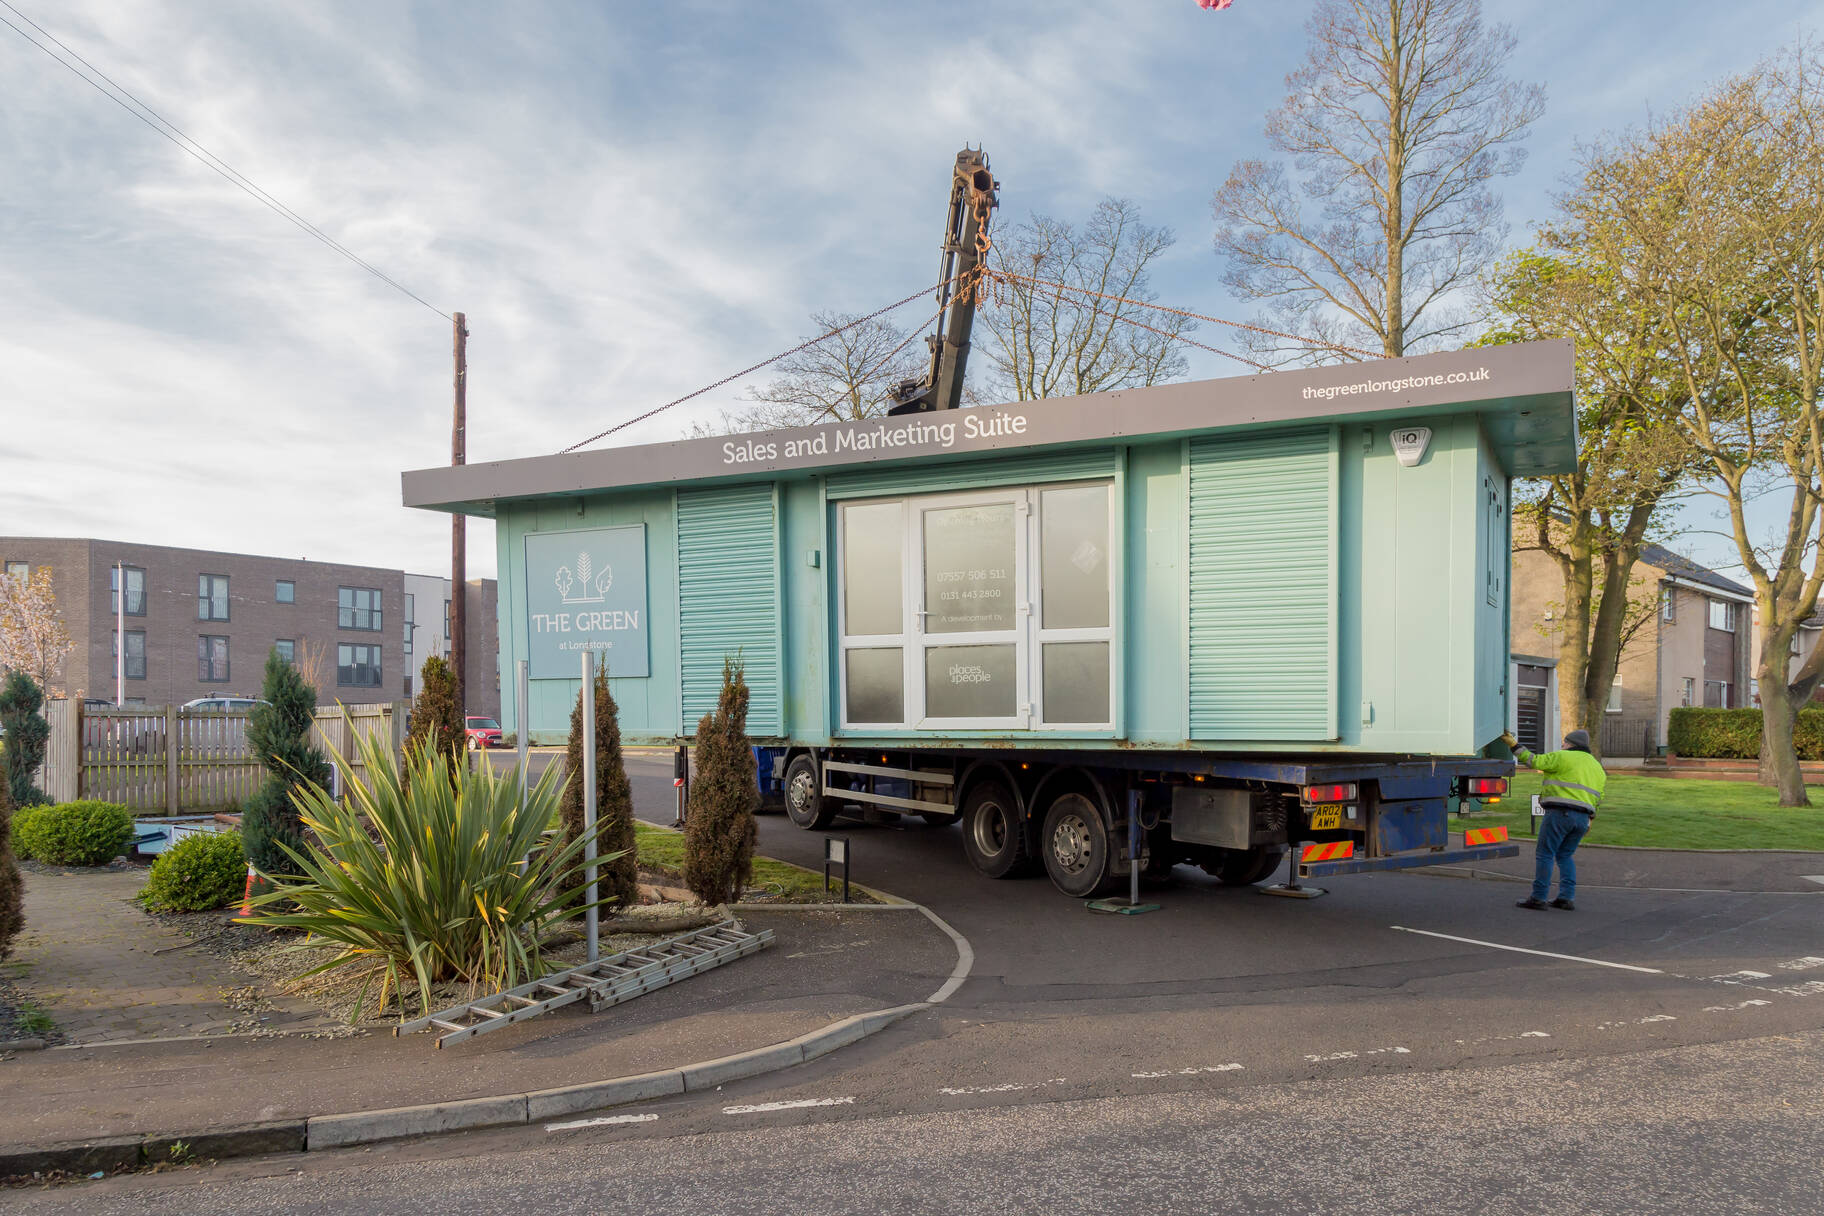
<point x="824" y="966"/>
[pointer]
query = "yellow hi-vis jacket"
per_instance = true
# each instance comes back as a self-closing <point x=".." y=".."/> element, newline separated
<point x="1573" y="780"/>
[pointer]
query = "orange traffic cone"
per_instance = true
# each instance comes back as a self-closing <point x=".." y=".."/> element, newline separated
<point x="247" y="896"/>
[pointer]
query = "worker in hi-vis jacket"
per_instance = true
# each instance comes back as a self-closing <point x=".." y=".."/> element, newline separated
<point x="1572" y="791"/>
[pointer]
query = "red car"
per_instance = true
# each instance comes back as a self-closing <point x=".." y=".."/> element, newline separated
<point x="483" y="732"/>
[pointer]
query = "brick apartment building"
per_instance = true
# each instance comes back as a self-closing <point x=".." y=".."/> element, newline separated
<point x="1694" y="650"/>
<point x="200" y="623"/>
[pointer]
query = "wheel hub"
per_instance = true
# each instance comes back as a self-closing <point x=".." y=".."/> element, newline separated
<point x="991" y="830"/>
<point x="800" y="793"/>
<point x="1070" y="846"/>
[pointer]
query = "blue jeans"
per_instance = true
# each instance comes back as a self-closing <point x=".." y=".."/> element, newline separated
<point x="1559" y="834"/>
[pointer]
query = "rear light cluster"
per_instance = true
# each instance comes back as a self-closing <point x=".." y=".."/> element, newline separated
<point x="1329" y="793"/>
<point x="1487" y="787"/>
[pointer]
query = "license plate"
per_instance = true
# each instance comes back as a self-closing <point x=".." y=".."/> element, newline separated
<point x="1326" y="818"/>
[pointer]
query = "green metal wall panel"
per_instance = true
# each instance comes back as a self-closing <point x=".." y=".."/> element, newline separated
<point x="729" y="600"/>
<point x="1263" y="587"/>
<point x="932" y="478"/>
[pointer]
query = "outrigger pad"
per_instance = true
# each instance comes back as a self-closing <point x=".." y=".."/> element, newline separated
<point x="1119" y="907"/>
<point x="1290" y="892"/>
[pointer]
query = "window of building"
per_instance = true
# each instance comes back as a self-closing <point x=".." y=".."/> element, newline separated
<point x="288" y="650"/>
<point x="1688" y="694"/>
<point x="1668" y="603"/>
<point x="19" y="570"/>
<point x="1014" y="602"/>
<point x="1716" y="694"/>
<point x="136" y="652"/>
<point x="446" y="618"/>
<point x="411" y="618"/>
<point x="284" y="591"/>
<point x="357" y="666"/>
<point x="212" y="659"/>
<point x="1722" y="615"/>
<point x="136" y="591"/>
<point x="1614" y="705"/>
<point x="211" y="597"/>
<point x="358" y="608"/>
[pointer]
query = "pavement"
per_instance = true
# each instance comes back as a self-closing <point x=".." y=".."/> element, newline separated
<point x="107" y="974"/>
<point x="824" y="966"/>
<point x="1213" y="1009"/>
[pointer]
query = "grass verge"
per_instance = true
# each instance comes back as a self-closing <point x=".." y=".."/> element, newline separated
<point x="1677" y="813"/>
<point x="662" y="852"/>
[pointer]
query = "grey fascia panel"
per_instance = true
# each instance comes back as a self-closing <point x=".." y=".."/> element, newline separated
<point x="1523" y="390"/>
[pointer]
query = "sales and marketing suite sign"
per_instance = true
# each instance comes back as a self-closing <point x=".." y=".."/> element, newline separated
<point x="586" y="590"/>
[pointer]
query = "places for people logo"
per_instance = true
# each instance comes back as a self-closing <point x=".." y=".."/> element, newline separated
<point x="584" y="580"/>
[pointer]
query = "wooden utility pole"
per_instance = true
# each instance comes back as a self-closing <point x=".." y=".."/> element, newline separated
<point x="459" y="573"/>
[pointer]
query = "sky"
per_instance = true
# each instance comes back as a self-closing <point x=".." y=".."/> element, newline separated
<point x="628" y="200"/>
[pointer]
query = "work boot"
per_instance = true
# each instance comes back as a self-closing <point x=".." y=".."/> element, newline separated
<point x="1535" y="905"/>
<point x="1564" y="904"/>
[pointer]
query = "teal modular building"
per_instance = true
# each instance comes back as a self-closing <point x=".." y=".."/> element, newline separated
<point x="1297" y="567"/>
<point x="1243" y="564"/>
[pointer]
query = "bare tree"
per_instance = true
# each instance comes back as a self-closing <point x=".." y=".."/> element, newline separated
<point x="32" y="634"/>
<point x="1594" y="521"/>
<point x="1396" y="125"/>
<point x="1046" y="341"/>
<point x="1720" y="207"/>
<point x="842" y="378"/>
<point x="316" y="662"/>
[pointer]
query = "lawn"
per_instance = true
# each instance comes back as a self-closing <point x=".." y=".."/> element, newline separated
<point x="662" y="851"/>
<point x="1677" y="813"/>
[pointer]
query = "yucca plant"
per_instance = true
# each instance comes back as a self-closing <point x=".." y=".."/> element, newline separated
<point x="439" y="877"/>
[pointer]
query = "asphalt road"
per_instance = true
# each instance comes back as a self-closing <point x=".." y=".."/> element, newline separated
<point x="1408" y="1042"/>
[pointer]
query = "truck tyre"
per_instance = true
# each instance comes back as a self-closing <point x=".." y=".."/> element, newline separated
<point x="994" y="835"/>
<point x="1075" y="847"/>
<point x="804" y="800"/>
<point x="1242" y="867"/>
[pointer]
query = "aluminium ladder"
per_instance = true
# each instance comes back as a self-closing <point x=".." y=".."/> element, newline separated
<point x="603" y="983"/>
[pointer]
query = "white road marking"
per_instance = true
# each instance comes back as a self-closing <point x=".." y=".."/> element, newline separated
<point x="1008" y="1088"/>
<point x="761" y="1108"/>
<point x="1187" y="1072"/>
<point x="1504" y="1038"/>
<point x="1817" y="878"/>
<point x="1748" y="1004"/>
<point x="1740" y="977"/>
<point x="605" y="1121"/>
<point x="1356" y="1055"/>
<point x="1657" y="1017"/>
<point x="1802" y="964"/>
<point x="1572" y="958"/>
<point x="1809" y="988"/>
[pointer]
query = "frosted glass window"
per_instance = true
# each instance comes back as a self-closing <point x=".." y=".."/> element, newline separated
<point x="1073" y="530"/>
<point x="969" y="585"/>
<point x="970" y="681"/>
<point x="877" y="685"/>
<point x="1076" y="681"/>
<point x="872" y="569"/>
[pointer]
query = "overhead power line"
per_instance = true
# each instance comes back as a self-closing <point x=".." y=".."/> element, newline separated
<point x="120" y="96"/>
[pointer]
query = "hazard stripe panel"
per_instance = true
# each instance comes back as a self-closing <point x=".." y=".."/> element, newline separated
<point x="1335" y="850"/>
<point x="1485" y="836"/>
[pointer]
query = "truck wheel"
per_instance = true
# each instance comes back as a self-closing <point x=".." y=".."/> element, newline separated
<point x="994" y="837"/>
<point x="1242" y="867"/>
<point x="1075" y="847"/>
<point x="804" y="801"/>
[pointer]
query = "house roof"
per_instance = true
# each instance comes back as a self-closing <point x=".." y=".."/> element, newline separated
<point x="1684" y="568"/>
<point x="1521" y="392"/>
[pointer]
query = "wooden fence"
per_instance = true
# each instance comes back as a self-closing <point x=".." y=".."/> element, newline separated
<point x="172" y="761"/>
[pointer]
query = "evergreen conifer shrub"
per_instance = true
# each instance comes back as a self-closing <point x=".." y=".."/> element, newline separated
<point x="12" y="886"/>
<point x="436" y="718"/>
<point x="619" y="878"/>
<point x="26" y="732"/>
<point x="719" y="828"/>
<point x="279" y="734"/>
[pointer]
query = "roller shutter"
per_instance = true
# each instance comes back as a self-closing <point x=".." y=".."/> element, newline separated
<point x="728" y="600"/>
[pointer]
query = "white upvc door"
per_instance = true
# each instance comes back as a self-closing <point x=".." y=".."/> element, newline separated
<point x="966" y="667"/>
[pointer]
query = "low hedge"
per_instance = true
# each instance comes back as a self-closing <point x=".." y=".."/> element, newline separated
<point x="73" y="833"/>
<point x="202" y="871"/>
<point x="1735" y="734"/>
